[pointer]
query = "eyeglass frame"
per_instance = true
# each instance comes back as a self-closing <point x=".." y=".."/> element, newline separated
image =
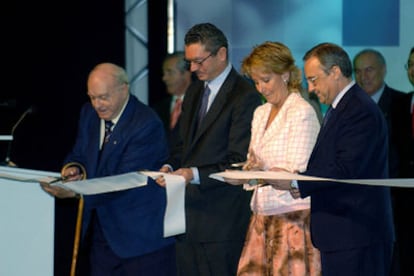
<point x="314" y="78"/>
<point x="198" y="62"/>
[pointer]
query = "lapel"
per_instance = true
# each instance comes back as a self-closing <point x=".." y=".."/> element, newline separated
<point x="191" y="121"/>
<point x="267" y="135"/>
<point x="384" y="102"/>
<point x="94" y="140"/>
<point x="335" y="115"/>
<point x="117" y="135"/>
<point x="216" y="106"/>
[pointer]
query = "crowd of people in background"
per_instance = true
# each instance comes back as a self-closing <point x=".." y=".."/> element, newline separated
<point x="213" y="117"/>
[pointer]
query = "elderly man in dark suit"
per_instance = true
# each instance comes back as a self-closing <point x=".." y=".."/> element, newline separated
<point x="217" y="214"/>
<point x="370" y="70"/>
<point x="351" y="225"/>
<point x="122" y="231"/>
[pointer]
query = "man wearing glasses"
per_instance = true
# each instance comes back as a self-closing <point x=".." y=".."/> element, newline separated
<point x="214" y="133"/>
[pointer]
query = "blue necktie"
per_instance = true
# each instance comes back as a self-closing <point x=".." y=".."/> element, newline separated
<point x="203" y="109"/>
<point x="107" y="135"/>
<point x="108" y="132"/>
<point x="327" y="114"/>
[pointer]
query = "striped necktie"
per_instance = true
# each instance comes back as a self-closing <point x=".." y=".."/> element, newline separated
<point x="108" y="132"/>
<point x="176" y="112"/>
<point x="203" y="108"/>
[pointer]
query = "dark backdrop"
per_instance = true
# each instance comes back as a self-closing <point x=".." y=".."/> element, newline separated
<point x="48" y="48"/>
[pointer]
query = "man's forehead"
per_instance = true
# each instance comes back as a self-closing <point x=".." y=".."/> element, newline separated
<point x="313" y="64"/>
<point x="194" y="50"/>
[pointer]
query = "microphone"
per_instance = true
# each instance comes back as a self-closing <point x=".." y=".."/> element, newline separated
<point x="28" y="111"/>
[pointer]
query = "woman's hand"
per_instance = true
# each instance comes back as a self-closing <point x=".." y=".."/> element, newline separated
<point x="235" y="182"/>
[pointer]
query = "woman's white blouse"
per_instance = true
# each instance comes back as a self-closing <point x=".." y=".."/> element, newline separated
<point x="287" y="143"/>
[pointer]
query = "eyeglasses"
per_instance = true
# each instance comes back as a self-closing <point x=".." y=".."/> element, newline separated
<point x="408" y="66"/>
<point x="199" y="62"/>
<point x="312" y="79"/>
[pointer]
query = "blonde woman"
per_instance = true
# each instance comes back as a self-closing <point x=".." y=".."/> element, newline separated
<point x="284" y="131"/>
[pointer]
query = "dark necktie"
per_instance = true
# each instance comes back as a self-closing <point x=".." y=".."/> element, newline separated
<point x="327" y="115"/>
<point x="108" y="132"/>
<point x="203" y="109"/>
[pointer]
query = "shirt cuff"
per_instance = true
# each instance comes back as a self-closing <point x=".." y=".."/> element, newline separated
<point x="196" y="176"/>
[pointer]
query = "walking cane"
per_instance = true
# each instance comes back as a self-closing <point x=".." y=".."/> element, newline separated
<point x="77" y="237"/>
<point x="78" y="227"/>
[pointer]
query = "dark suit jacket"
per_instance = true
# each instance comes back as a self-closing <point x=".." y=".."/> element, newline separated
<point x="131" y="220"/>
<point x="352" y="145"/>
<point x="216" y="211"/>
<point x="403" y="197"/>
<point x="163" y="109"/>
<point x="391" y="104"/>
<point x="402" y="133"/>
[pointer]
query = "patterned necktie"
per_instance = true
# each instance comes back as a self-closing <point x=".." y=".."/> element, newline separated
<point x="203" y="109"/>
<point x="108" y="132"/>
<point x="176" y="112"/>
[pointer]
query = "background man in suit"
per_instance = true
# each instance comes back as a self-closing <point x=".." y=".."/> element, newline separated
<point x="408" y="163"/>
<point x="403" y="207"/>
<point x="351" y="225"/>
<point x="177" y="78"/>
<point x="408" y="159"/>
<point x="217" y="214"/>
<point x="124" y="229"/>
<point x="370" y="71"/>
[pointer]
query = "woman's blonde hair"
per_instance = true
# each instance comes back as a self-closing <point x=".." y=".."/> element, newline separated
<point x="273" y="57"/>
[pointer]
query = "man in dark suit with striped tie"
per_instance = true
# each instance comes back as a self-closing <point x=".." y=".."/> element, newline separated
<point x="217" y="214"/>
<point x="122" y="232"/>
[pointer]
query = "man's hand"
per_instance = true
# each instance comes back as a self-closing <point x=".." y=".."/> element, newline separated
<point x="56" y="191"/>
<point x="165" y="169"/>
<point x="235" y="182"/>
<point x="69" y="173"/>
<point x="280" y="184"/>
<point x="161" y="180"/>
<point x="294" y="193"/>
<point x="187" y="173"/>
<point x="72" y="173"/>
